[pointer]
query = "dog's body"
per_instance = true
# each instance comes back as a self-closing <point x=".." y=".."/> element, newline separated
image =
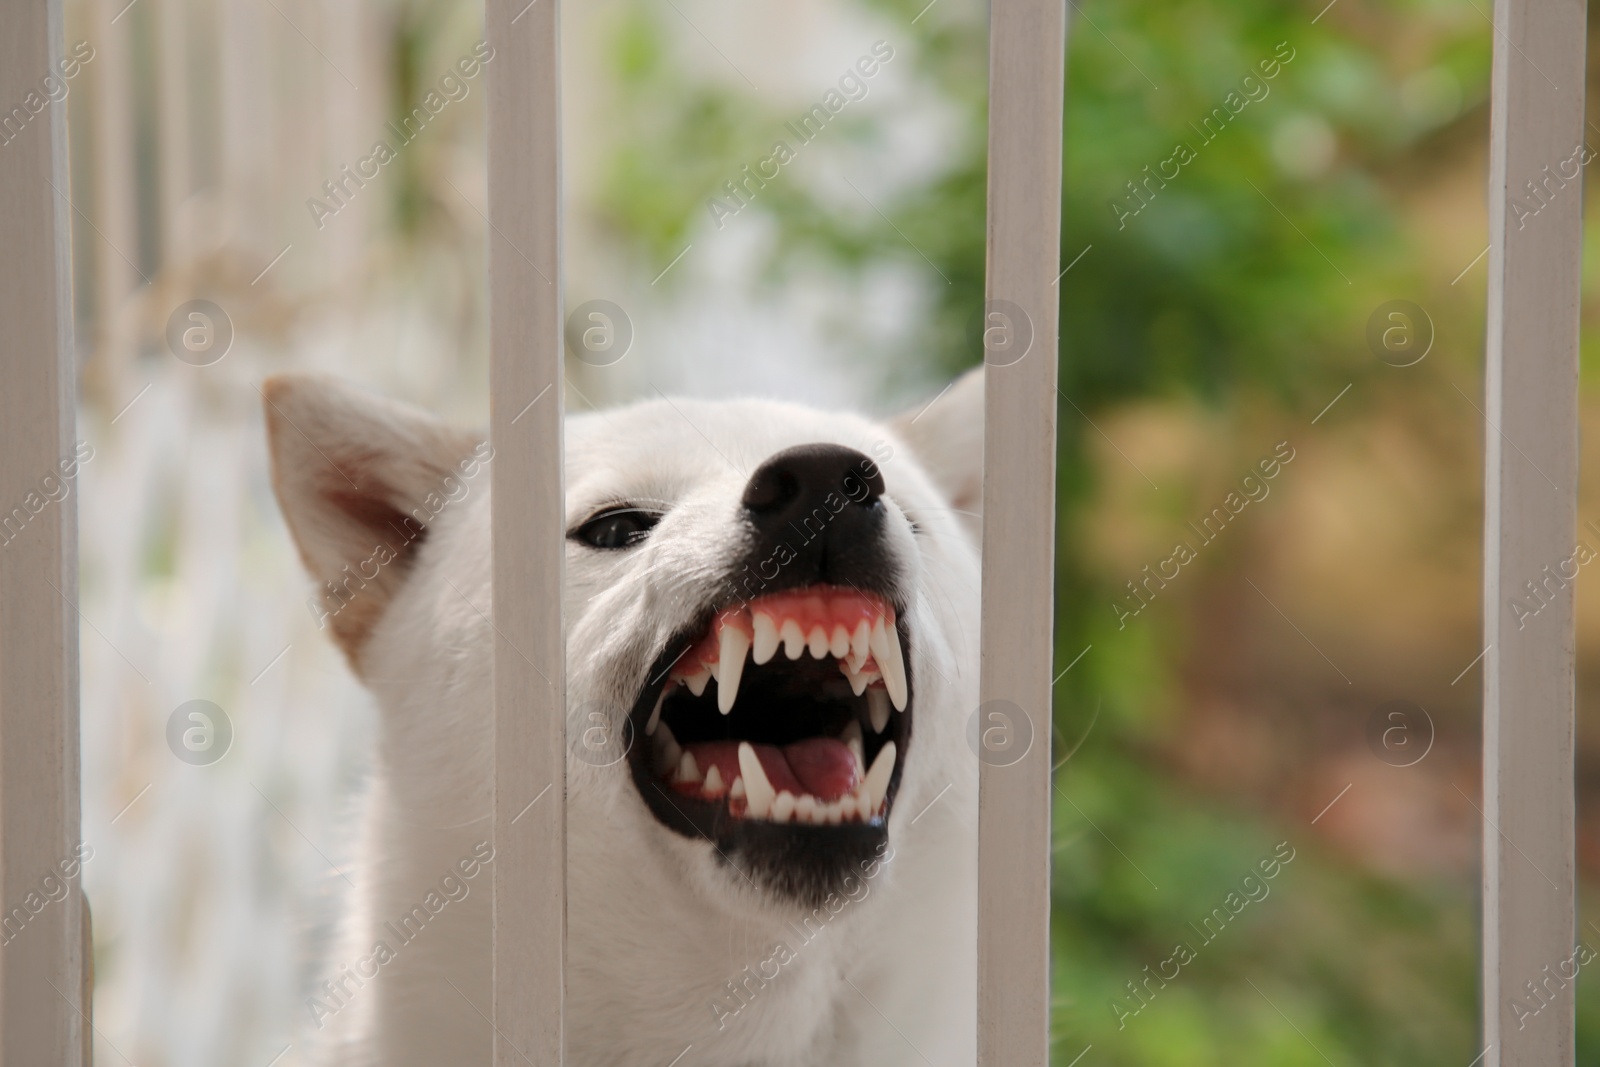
<point x="739" y="953"/>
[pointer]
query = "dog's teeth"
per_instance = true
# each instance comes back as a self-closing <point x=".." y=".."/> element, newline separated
<point x="878" y="709"/>
<point x="877" y="785"/>
<point x="712" y="786"/>
<point x="667" y="750"/>
<point x="833" y="813"/>
<point x="730" y="665"/>
<point x="860" y="644"/>
<point x="806" y="810"/>
<point x="697" y="681"/>
<point x="852" y="740"/>
<point x="655" y="713"/>
<point x="794" y="642"/>
<point x="885" y="643"/>
<point x="766" y="642"/>
<point x="857" y="681"/>
<point x="818" y="642"/>
<point x="840" y="644"/>
<point x="689" y="771"/>
<point x="758" y="791"/>
<point x="736" y="790"/>
<point x="783" y="807"/>
<point x="847" y="808"/>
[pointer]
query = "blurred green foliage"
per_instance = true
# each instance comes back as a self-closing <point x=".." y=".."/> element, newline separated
<point x="1250" y="274"/>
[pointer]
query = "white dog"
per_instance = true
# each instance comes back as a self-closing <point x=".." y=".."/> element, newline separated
<point x="771" y="628"/>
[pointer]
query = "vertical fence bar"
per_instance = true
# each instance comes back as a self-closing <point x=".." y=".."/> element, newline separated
<point x="524" y="237"/>
<point x="42" y="959"/>
<point x="1530" y="524"/>
<point x="1027" y="42"/>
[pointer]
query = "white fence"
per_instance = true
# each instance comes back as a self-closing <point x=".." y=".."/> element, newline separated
<point x="1531" y="475"/>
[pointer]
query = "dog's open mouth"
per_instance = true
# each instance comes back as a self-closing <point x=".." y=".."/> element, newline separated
<point x="790" y="713"/>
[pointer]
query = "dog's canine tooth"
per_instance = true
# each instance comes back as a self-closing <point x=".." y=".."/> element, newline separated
<point x="858" y="682"/>
<point x="736" y="790"/>
<point x="730" y="665"/>
<point x="852" y="740"/>
<point x="878" y="709"/>
<point x="794" y="642"/>
<point x="886" y="653"/>
<point x="858" y="679"/>
<point x="840" y="643"/>
<point x="783" y="807"/>
<point x="689" y="771"/>
<point x="806" y="810"/>
<point x="712" y="786"/>
<point x="758" y="791"/>
<point x="765" y="644"/>
<point x="860" y="644"/>
<point x="697" y="681"/>
<point x="667" y="750"/>
<point x="877" y="786"/>
<point x="818" y="642"/>
<point x="655" y="713"/>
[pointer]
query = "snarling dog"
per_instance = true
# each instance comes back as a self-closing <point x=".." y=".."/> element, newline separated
<point x="771" y="624"/>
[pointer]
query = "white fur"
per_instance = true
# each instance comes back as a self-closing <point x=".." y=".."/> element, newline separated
<point x="656" y="927"/>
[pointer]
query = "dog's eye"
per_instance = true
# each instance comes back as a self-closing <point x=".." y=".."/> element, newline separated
<point x="616" y="528"/>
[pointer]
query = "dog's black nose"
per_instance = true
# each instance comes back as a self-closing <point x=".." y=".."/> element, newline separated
<point x="798" y="480"/>
<point x="817" y="513"/>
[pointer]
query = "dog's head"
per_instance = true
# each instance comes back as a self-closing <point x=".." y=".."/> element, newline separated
<point x="771" y="611"/>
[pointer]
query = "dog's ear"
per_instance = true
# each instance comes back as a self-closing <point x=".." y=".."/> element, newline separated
<point x="359" y="478"/>
<point x="946" y="435"/>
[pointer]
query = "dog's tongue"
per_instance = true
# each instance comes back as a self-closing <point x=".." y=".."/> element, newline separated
<point x="820" y="766"/>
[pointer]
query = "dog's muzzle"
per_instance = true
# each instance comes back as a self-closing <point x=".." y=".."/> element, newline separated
<point x="777" y="725"/>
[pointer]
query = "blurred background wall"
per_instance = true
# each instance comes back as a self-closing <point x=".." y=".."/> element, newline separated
<point x="1234" y="245"/>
